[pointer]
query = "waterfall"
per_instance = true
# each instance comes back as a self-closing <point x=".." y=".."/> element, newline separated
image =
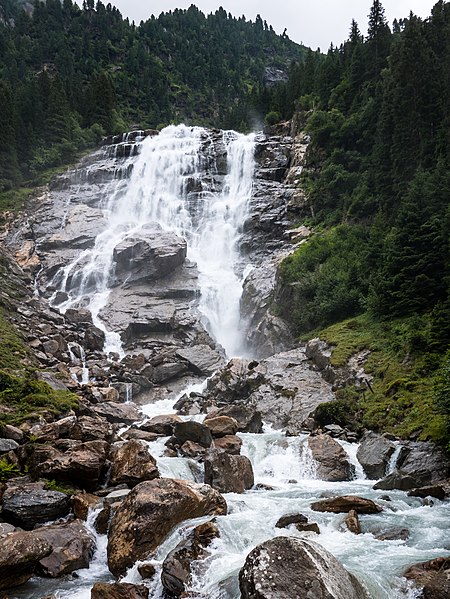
<point x="168" y="186"/>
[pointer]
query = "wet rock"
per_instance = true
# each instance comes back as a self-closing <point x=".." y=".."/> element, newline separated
<point x="55" y="430"/>
<point x="94" y="339"/>
<point x="6" y="528"/>
<point x="230" y="444"/>
<point x="288" y="519"/>
<point x="189" y="449"/>
<point x="72" y="548"/>
<point x="424" y="461"/>
<point x="168" y="371"/>
<point x="51" y="380"/>
<point x="147" y="570"/>
<point x="332" y="461"/>
<point x="78" y="315"/>
<point x="20" y="553"/>
<point x="161" y="425"/>
<point x="119" y="590"/>
<point x="191" y="430"/>
<point x="82" y="226"/>
<point x="135" y="433"/>
<point x="221" y="426"/>
<point x="286" y="567"/>
<point x="82" y="503"/>
<point x="373" y="454"/>
<point x="152" y="253"/>
<point x="202" y="360"/>
<point x="351" y="522"/>
<point x="248" y="419"/>
<point x="117" y="413"/>
<point x="433" y="576"/>
<point x="388" y="533"/>
<point x="309" y="527"/>
<point x="150" y="512"/>
<point x="176" y="568"/>
<point x="437" y="491"/>
<point x="346" y="503"/>
<point x="397" y="480"/>
<point x="132" y="464"/>
<point x="228" y="473"/>
<point x="27" y="505"/>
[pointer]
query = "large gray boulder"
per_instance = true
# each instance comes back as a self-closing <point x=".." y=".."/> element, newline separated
<point x="286" y="567"/>
<point x="332" y="461"/>
<point x="424" y="461"/>
<point x="374" y="453"/>
<point x="149" y="513"/>
<point x="433" y="576"/>
<point x="228" y="473"/>
<point x="151" y="253"/>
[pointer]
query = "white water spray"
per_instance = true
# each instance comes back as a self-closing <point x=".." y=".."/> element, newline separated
<point x="169" y="166"/>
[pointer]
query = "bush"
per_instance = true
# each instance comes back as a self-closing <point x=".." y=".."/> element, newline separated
<point x="272" y="118"/>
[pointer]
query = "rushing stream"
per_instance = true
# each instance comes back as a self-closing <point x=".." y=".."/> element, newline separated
<point x="158" y="192"/>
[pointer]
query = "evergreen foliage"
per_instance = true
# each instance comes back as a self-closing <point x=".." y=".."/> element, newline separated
<point x="68" y="74"/>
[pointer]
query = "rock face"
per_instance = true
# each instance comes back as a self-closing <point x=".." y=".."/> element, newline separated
<point x="282" y="389"/>
<point x="152" y="254"/>
<point x="20" y="553"/>
<point x="286" y="567"/>
<point x="150" y="512"/>
<point x="424" y="461"/>
<point x="332" y="461"/>
<point x="228" y="473"/>
<point x="29" y="505"/>
<point x="346" y="503"/>
<point x="433" y="576"/>
<point x="374" y="453"/>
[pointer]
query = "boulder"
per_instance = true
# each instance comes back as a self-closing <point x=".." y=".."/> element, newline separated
<point x="72" y="548"/>
<point x="78" y="315"/>
<point x="135" y="433"/>
<point x="202" y="360"/>
<point x="82" y="503"/>
<point x="94" y="339"/>
<point x="388" y="533"/>
<point x="397" y="480"/>
<point x="8" y="445"/>
<point x="28" y="505"/>
<point x="132" y="464"/>
<point x="228" y="473"/>
<point x="161" y="425"/>
<point x="220" y="426"/>
<point x="332" y="461"/>
<point x="308" y="527"/>
<point x="230" y="444"/>
<point x="424" y="461"/>
<point x="150" y="512"/>
<point x="168" y="371"/>
<point x="8" y="431"/>
<point x="345" y="503"/>
<point x="117" y="413"/>
<point x="20" y="553"/>
<point x="150" y="254"/>
<point x="287" y="567"/>
<point x="288" y="519"/>
<point x="88" y="428"/>
<point x="119" y="590"/>
<point x="193" y="431"/>
<point x="437" y="491"/>
<point x="54" y="430"/>
<point x="176" y="568"/>
<point x="374" y="453"/>
<point x="351" y="522"/>
<point x="82" y="465"/>
<point x="433" y="576"/>
<point x="189" y="449"/>
<point x="248" y="419"/>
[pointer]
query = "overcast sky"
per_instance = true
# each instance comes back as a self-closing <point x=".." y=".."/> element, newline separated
<point x="316" y="23"/>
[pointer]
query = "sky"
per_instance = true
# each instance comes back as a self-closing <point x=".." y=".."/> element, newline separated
<point x="315" y="23"/>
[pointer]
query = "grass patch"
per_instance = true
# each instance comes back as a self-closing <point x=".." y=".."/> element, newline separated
<point x="8" y="470"/>
<point x="403" y="396"/>
<point x="23" y="398"/>
<point x="13" y="350"/>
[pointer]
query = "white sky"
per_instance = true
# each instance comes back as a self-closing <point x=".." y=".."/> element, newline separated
<point x="316" y="23"/>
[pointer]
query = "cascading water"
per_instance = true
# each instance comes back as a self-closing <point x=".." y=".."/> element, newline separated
<point x="159" y="190"/>
<point x="168" y="167"/>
